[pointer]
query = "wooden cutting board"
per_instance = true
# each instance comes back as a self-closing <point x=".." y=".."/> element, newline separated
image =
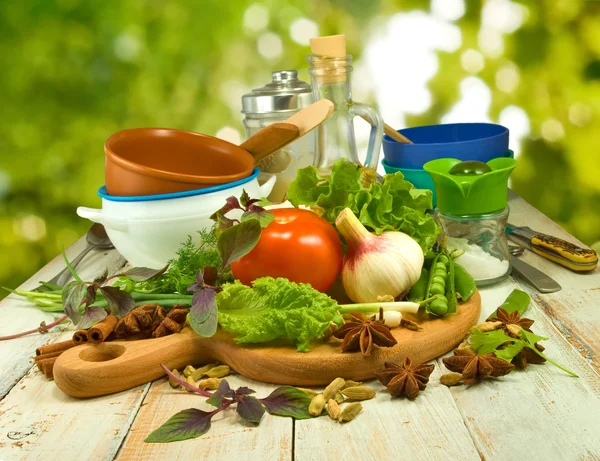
<point x="88" y="371"/>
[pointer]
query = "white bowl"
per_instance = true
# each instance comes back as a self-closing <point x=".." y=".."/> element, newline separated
<point x="148" y="232"/>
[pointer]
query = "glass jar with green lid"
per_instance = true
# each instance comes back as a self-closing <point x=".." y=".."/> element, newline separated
<point x="472" y="208"/>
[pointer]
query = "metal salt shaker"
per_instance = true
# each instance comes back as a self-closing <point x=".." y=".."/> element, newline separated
<point x="276" y="102"/>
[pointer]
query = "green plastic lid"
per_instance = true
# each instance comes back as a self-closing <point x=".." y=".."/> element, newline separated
<point x="471" y="194"/>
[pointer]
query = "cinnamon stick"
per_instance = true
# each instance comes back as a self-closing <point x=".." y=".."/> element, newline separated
<point x="56" y="347"/>
<point x="47" y="367"/>
<point x="99" y="332"/>
<point x="80" y="337"/>
<point x="40" y="358"/>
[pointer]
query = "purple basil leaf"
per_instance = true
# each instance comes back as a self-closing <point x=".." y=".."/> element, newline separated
<point x="223" y="223"/>
<point x="199" y="282"/>
<point x="238" y="241"/>
<point x="264" y="217"/>
<point x="73" y="295"/>
<point x="250" y="409"/>
<point x="231" y="203"/>
<point x="222" y="392"/>
<point x="141" y="274"/>
<point x="244" y="391"/>
<point x="91" y="316"/>
<point x="244" y="199"/>
<point x="288" y="401"/>
<point x="120" y="303"/>
<point x="187" y="424"/>
<point x="90" y="296"/>
<point x="204" y="313"/>
<point x="210" y="275"/>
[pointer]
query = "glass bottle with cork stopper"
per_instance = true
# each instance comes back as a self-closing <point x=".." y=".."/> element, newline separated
<point x="330" y="71"/>
<point x="472" y="209"/>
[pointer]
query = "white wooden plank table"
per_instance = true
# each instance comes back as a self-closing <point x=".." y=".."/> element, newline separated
<point x="537" y="414"/>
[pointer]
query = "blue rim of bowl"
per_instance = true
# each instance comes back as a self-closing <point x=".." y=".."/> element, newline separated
<point x="188" y="193"/>
<point x="393" y="141"/>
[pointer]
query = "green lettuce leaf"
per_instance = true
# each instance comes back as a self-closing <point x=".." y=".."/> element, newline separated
<point x="394" y="205"/>
<point x="276" y="308"/>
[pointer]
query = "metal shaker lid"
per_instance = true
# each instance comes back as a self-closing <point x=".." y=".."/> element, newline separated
<point x="285" y="93"/>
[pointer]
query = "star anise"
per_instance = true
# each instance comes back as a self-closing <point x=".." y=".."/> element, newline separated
<point x="476" y="367"/>
<point x="512" y="323"/>
<point x="527" y="356"/>
<point x="362" y="333"/>
<point x="406" y="379"/>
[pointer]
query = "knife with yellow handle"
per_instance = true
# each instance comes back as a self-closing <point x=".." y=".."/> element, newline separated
<point x="557" y="250"/>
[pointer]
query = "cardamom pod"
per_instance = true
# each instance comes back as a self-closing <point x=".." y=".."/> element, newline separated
<point x="191" y="381"/>
<point x="188" y="370"/>
<point x="339" y="398"/>
<point x="350" y="383"/>
<point x="334" y="387"/>
<point x="410" y="325"/>
<point x="316" y="405"/>
<point x="174" y="384"/>
<point x="358" y="393"/>
<point x="451" y="379"/>
<point x="486" y="327"/>
<point x="349" y="412"/>
<point x="514" y="329"/>
<point x="218" y="372"/>
<point x="209" y="384"/>
<point x="333" y="409"/>
<point x="307" y="391"/>
<point x="200" y="372"/>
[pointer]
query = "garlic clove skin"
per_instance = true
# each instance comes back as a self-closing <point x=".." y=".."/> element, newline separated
<point x="392" y="318"/>
<point x="377" y="265"/>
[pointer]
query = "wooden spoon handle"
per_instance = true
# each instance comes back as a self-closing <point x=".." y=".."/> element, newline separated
<point x="88" y="370"/>
<point x="270" y="139"/>
<point x="395" y="135"/>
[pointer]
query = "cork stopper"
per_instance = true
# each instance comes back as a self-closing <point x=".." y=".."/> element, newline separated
<point x="333" y="46"/>
<point x="329" y="59"/>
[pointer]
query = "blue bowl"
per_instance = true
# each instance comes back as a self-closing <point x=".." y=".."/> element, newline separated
<point x="419" y="178"/>
<point x="464" y="141"/>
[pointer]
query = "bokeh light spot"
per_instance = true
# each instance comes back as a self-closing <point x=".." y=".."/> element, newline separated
<point x="516" y="120"/>
<point x="507" y="78"/>
<point x="503" y="15"/>
<point x="302" y="29"/>
<point x="30" y="227"/>
<point x="256" y="17"/>
<point x="490" y="42"/>
<point x="579" y="115"/>
<point x="270" y="45"/>
<point x="552" y="130"/>
<point x="127" y="47"/>
<point x="230" y="134"/>
<point x="472" y="61"/>
<point x="450" y="10"/>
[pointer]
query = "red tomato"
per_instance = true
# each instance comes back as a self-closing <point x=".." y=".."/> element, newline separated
<point x="297" y="245"/>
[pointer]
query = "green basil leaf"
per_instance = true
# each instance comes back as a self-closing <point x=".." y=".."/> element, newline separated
<point x="187" y="424"/>
<point x="288" y="401"/>
<point x="73" y="295"/>
<point x="254" y="212"/>
<point x="238" y="241"/>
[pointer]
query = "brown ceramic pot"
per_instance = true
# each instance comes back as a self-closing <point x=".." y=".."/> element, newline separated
<point x="149" y="161"/>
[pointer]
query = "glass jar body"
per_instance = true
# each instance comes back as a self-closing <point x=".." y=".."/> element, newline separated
<point x="483" y="240"/>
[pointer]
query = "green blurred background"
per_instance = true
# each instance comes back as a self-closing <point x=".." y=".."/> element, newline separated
<point x="75" y="71"/>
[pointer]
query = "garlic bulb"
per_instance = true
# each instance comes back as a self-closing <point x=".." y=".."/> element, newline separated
<point x="377" y="265"/>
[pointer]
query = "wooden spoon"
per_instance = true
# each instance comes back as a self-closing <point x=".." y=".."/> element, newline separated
<point x="278" y="135"/>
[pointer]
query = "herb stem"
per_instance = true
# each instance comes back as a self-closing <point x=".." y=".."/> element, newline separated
<point x="185" y="384"/>
<point x="553" y="362"/>
<point x="41" y="329"/>
<point x="398" y="306"/>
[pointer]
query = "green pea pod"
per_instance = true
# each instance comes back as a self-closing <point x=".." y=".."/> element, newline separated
<point x="464" y="283"/>
<point x="418" y="291"/>
<point x="451" y="289"/>
<point x="517" y="301"/>
<point x="431" y="275"/>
